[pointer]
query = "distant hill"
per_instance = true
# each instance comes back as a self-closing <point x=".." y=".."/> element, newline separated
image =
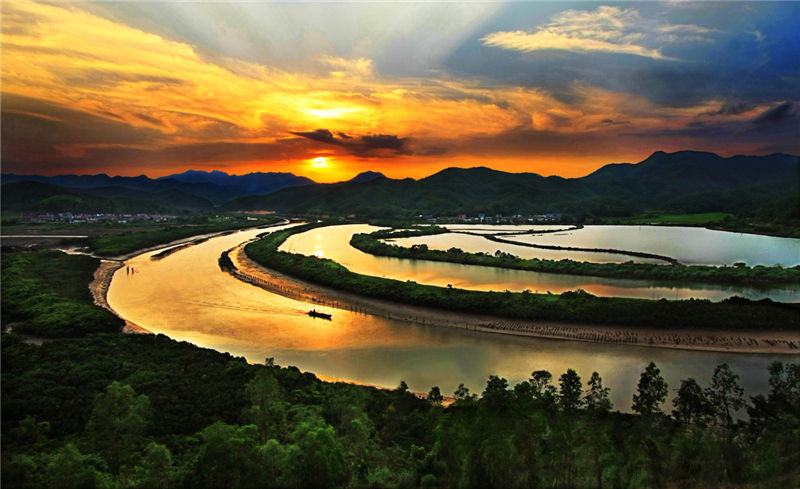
<point x="217" y="187"/>
<point x="41" y="197"/>
<point x="685" y="181"/>
<point x="682" y="181"/>
<point x="251" y="183"/>
<point x="367" y="176"/>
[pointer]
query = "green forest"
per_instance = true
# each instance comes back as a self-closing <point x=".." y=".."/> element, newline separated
<point x="118" y="244"/>
<point x="46" y="294"/>
<point x="739" y="274"/>
<point x="148" y="412"/>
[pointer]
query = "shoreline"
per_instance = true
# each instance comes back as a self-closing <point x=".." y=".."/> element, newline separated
<point x="109" y="265"/>
<point x="182" y="241"/>
<point x="275" y="282"/>
<point x="719" y="341"/>
<point x="99" y="289"/>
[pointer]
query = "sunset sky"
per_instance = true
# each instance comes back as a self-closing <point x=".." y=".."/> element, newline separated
<point x="327" y="90"/>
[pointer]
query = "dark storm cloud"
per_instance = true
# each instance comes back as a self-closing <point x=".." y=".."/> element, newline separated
<point x="695" y="129"/>
<point x="119" y="160"/>
<point x="151" y="120"/>
<point x="101" y="78"/>
<point x="321" y="135"/>
<point x="519" y="142"/>
<point x="367" y="145"/>
<point x="774" y="130"/>
<point x="732" y="108"/>
<point x="37" y="123"/>
<point x="786" y="112"/>
<point x="44" y="137"/>
<point x="383" y="141"/>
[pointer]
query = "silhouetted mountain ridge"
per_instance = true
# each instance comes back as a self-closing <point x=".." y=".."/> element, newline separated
<point x="684" y="181"/>
<point x="367" y="176"/>
<point x="216" y="186"/>
<point x="250" y="183"/>
<point x="676" y="181"/>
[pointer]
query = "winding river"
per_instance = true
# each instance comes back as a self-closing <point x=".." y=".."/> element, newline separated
<point x="333" y="242"/>
<point x="187" y="297"/>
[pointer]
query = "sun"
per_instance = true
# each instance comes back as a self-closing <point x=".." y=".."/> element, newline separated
<point x="320" y="162"/>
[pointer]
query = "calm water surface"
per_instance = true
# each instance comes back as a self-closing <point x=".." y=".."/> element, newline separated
<point x="686" y="244"/>
<point x="503" y="228"/>
<point x="333" y="242"/>
<point x="475" y="244"/>
<point x="187" y="297"/>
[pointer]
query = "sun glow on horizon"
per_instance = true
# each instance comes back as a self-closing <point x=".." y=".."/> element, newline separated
<point x="319" y="162"/>
<point x="107" y="95"/>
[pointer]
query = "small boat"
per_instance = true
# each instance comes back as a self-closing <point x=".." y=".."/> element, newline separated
<point x="315" y="314"/>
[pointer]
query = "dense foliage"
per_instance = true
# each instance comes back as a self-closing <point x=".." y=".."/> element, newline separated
<point x="118" y="244"/>
<point x="577" y="306"/>
<point x="145" y="411"/>
<point x="41" y="197"/>
<point x="738" y="274"/>
<point x="46" y="293"/>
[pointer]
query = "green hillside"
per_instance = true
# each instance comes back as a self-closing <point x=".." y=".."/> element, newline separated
<point x="31" y="196"/>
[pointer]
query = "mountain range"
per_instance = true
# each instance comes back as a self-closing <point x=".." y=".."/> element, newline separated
<point x="687" y="181"/>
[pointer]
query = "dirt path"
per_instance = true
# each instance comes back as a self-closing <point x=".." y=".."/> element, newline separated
<point x="738" y="341"/>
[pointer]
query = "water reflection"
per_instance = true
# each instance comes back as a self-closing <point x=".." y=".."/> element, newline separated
<point x="686" y="244"/>
<point x="333" y="242"/>
<point x="476" y="244"/>
<point x="187" y="297"/>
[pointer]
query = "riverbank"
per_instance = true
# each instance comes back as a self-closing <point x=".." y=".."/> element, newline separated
<point x="99" y="289"/>
<point x="108" y="266"/>
<point x="379" y="243"/>
<point x="189" y="240"/>
<point x="739" y="341"/>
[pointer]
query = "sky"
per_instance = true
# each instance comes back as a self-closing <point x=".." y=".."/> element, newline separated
<point x="328" y="90"/>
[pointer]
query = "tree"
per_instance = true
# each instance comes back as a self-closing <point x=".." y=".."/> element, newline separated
<point x="784" y="386"/>
<point x="403" y="387"/>
<point x="569" y="396"/>
<point x="267" y="408"/>
<point x="496" y="394"/>
<point x="691" y="405"/>
<point x="117" y="422"/>
<point x="651" y="392"/>
<point x="69" y="468"/>
<point x="725" y="394"/>
<point x="435" y="396"/>
<point x="155" y="470"/>
<point x="318" y="460"/>
<point x="462" y="394"/>
<point x="540" y="382"/>
<point x="227" y="457"/>
<point x="597" y="398"/>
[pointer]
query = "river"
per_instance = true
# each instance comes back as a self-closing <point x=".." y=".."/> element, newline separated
<point x="689" y="245"/>
<point x="187" y="297"/>
<point x="333" y="242"/>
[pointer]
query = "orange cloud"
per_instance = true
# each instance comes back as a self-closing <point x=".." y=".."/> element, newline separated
<point x="108" y="94"/>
